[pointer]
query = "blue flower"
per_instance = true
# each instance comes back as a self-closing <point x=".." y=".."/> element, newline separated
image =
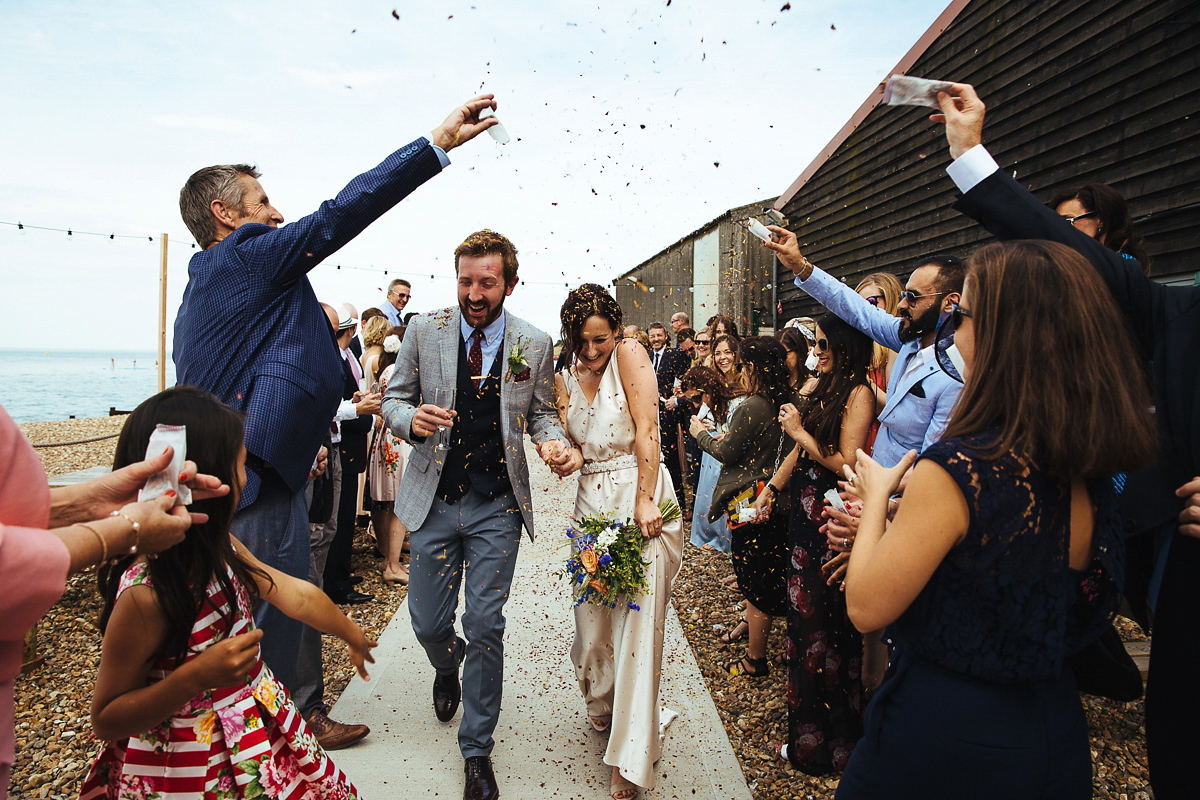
<point x="635" y="607"/>
<point x="605" y="560"/>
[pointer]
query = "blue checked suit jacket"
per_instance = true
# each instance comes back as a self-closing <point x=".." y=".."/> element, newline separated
<point x="250" y="329"/>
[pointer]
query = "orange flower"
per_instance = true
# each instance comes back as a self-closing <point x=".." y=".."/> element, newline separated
<point x="598" y="585"/>
<point x="589" y="560"/>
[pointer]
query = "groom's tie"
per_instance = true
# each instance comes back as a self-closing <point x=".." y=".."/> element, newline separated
<point x="475" y="359"/>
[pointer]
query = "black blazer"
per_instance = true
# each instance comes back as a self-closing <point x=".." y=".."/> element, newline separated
<point x="354" y="431"/>
<point x="1165" y="323"/>
<point x="672" y="365"/>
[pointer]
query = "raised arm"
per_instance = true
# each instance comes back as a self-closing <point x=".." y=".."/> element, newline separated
<point x="1009" y="211"/>
<point x="287" y="253"/>
<point x="833" y="294"/>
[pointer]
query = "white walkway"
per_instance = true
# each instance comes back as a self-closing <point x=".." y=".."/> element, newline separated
<point x="544" y="747"/>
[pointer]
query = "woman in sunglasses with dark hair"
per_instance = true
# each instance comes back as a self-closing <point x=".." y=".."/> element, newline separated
<point x="1005" y="554"/>
<point x="1098" y="210"/>
<point x="827" y="426"/>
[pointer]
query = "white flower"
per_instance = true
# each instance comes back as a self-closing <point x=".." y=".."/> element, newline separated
<point x="607" y="538"/>
<point x="392" y="343"/>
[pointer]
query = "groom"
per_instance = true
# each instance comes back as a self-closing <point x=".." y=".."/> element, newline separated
<point x="465" y="503"/>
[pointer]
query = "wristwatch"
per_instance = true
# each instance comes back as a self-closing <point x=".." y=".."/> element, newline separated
<point x="774" y="491"/>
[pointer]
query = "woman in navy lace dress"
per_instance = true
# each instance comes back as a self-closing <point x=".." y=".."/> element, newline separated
<point x="1005" y="555"/>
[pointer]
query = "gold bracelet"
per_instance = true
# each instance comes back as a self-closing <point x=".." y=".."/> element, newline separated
<point x="103" y="544"/>
<point x="137" y="531"/>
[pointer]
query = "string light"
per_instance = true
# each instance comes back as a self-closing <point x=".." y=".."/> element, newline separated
<point x="72" y="232"/>
<point x="645" y="287"/>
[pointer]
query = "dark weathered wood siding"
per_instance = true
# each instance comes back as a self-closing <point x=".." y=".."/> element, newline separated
<point x="1076" y="91"/>
<point x="743" y="281"/>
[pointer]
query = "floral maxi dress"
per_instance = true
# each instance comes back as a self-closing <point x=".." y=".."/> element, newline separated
<point x="244" y="741"/>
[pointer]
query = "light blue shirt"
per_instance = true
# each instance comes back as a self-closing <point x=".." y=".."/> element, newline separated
<point x="908" y="421"/>
<point x="389" y="311"/>
<point x="493" y="336"/>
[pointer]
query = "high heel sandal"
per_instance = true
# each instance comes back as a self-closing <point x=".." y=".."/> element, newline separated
<point x="600" y="724"/>
<point x="759" y="667"/>
<point x="622" y="789"/>
<point x="736" y="635"/>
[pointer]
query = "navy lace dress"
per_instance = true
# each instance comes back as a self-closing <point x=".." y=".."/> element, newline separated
<point x="979" y="700"/>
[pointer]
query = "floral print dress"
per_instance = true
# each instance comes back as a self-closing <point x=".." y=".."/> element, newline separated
<point x="244" y="741"/>
<point x="824" y="651"/>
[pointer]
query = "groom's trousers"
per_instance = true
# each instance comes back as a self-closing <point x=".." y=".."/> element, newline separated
<point x="479" y="536"/>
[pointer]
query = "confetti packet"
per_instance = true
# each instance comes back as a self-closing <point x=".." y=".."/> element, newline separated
<point x="757" y="228"/>
<point x="159" y="484"/>
<point x="498" y="132"/>
<point x="905" y="90"/>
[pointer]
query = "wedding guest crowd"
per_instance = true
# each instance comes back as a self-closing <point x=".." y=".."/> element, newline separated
<point x="987" y="416"/>
<point x="933" y="483"/>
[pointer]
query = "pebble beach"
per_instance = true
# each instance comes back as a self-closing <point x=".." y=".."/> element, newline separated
<point x="55" y="745"/>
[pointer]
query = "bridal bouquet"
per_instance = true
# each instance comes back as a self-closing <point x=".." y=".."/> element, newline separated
<point x="606" y="558"/>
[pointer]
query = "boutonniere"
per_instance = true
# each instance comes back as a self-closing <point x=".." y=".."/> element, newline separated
<point x="518" y="361"/>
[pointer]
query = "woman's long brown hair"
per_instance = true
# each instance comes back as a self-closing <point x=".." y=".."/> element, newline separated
<point x="1054" y="369"/>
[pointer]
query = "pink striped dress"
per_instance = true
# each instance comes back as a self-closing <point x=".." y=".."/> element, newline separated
<point x="245" y="741"/>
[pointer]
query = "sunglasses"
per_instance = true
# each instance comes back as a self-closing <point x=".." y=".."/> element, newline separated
<point x="875" y="300"/>
<point x="1085" y="215"/>
<point x="912" y="297"/>
<point x="701" y="342"/>
<point x="821" y="344"/>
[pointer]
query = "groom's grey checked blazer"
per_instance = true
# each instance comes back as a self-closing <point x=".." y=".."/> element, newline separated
<point x="428" y="358"/>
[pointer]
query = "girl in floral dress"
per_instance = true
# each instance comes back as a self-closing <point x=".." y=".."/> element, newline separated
<point x="183" y="702"/>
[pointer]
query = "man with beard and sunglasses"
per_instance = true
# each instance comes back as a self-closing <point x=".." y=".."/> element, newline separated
<point x="920" y="395"/>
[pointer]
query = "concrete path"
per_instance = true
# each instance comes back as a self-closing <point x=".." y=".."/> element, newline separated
<point x="544" y="747"/>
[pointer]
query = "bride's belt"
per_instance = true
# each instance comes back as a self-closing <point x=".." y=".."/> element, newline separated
<point x="608" y="465"/>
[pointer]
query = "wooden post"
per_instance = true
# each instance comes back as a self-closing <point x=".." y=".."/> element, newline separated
<point x="162" y="315"/>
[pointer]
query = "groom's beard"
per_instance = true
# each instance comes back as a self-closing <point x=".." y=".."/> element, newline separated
<point x="916" y="328"/>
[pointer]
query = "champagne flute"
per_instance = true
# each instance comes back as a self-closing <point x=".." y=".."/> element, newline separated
<point x="443" y="398"/>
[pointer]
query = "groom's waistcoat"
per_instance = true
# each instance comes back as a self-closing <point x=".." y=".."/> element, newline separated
<point x="476" y="457"/>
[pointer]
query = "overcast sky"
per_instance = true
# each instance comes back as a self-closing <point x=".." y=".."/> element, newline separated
<point x="633" y="124"/>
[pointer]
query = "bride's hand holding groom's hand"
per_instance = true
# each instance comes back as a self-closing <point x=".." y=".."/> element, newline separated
<point x="560" y="457"/>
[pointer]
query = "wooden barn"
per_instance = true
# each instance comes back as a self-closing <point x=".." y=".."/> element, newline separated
<point x="718" y="269"/>
<point x="1077" y="91"/>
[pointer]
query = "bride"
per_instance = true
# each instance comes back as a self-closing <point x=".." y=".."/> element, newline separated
<point x="609" y="401"/>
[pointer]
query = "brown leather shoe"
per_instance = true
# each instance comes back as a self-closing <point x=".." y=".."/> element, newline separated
<point x="334" y="735"/>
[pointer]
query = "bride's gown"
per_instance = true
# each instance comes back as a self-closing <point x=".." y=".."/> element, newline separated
<point x="617" y="652"/>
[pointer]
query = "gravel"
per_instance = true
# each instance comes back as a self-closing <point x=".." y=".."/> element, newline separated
<point x="53" y="732"/>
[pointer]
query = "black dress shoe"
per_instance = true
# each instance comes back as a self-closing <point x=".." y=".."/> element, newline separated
<point x="481" y="781"/>
<point x="447" y="691"/>
<point x="355" y="580"/>
<point x="350" y="598"/>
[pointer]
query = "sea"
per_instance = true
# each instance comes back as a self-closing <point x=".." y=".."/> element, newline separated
<point x="37" y="385"/>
